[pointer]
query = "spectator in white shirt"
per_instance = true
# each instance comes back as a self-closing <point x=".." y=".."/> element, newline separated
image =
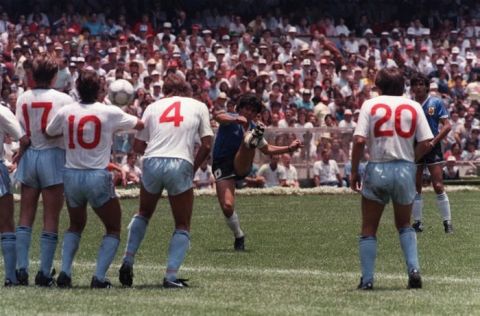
<point x="291" y="171"/>
<point x="133" y="172"/>
<point x="203" y="178"/>
<point x="326" y="171"/>
<point x="274" y="174"/>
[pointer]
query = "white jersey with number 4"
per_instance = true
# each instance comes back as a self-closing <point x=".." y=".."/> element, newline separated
<point x="391" y="124"/>
<point x="88" y="132"/>
<point x="171" y="127"/>
<point x="35" y="109"/>
<point x="8" y="126"/>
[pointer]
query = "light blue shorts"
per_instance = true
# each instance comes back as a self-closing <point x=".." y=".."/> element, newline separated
<point x="94" y="186"/>
<point x="5" y="184"/>
<point x="394" y="179"/>
<point x="40" y="169"/>
<point x="173" y="174"/>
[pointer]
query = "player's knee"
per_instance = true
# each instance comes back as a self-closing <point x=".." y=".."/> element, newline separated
<point x="77" y="225"/>
<point x="227" y="206"/>
<point x="438" y="187"/>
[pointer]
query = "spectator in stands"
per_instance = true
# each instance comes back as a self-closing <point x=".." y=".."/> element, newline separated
<point x="451" y="171"/>
<point x="203" y="178"/>
<point x="132" y="172"/>
<point x="326" y="171"/>
<point x="291" y="171"/>
<point x="273" y="172"/>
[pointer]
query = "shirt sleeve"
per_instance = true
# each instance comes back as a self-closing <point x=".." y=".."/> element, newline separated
<point x="204" y="129"/>
<point x="10" y="124"/>
<point x="122" y="120"/>
<point x="144" y="134"/>
<point x="423" y="131"/>
<point x="362" y="128"/>
<point x="442" y="111"/>
<point x="54" y="128"/>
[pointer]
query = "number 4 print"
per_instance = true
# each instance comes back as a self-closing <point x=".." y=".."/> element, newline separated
<point x="176" y="118"/>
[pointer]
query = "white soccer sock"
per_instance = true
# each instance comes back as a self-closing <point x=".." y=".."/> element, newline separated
<point x="234" y="223"/>
<point x="443" y="205"/>
<point x="417" y="207"/>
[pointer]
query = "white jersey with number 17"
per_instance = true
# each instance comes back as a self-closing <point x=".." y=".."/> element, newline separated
<point x="391" y="124"/>
<point x="172" y="125"/>
<point x="35" y="109"/>
<point x="88" y="132"/>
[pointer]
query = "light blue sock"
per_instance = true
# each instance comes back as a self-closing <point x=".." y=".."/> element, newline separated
<point x="48" y="245"/>
<point x="408" y="241"/>
<point x="107" y="252"/>
<point x="24" y="238"/>
<point x="71" y="241"/>
<point x="136" y="232"/>
<point x="9" y="253"/>
<point x="368" y="254"/>
<point x="176" y="253"/>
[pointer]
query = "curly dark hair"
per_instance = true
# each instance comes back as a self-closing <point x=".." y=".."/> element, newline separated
<point x="249" y="100"/>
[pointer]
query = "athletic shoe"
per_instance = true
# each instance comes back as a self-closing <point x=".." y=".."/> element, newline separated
<point x="239" y="244"/>
<point x="125" y="275"/>
<point x="365" y="286"/>
<point x="64" y="281"/>
<point x="414" y="279"/>
<point x="22" y="277"/>
<point x="418" y="226"/>
<point x="9" y="283"/>
<point x="177" y="284"/>
<point x="254" y="138"/>
<point x="97" y="284"/>
<point x="447" y="225"/>
<point x="45" y="280"/>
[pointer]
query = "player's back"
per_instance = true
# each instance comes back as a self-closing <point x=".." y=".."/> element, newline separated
<point x="391" y="124"/>
<point x="172" y="125"/>
<point x="35" y="108"/>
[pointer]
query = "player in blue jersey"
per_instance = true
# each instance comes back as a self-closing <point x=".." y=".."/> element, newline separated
<point x="437" y="117"/>
<point x="233" y="154"/>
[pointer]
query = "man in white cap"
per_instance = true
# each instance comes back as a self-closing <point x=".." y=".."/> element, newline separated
<point x="347" y="121"/>
<point x="451" y="171"/>
<point x="167" y="30"/>
<point x="293" y="39"/>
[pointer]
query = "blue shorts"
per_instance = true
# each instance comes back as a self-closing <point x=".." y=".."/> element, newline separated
<point x="94" y="186"/>
<point x="40" y="169"/>
<point x="5" y="184"/>
<point x="173" y="174"/>
<point x="435" y="156"/>
<point x="394" y="179"/>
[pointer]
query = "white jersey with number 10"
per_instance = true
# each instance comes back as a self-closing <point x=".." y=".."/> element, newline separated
<point x="171" y="127"/>
<point x="88" y="132"/>
<point x="391" y="124"/>
<point x="35" y="109"/>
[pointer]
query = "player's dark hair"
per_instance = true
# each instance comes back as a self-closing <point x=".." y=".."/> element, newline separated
<point x="390" y="81"/>
<point x="88" y="86"/>
<point x="249" y="100"/>
<point x="44" y="69"/>
<point x="174" y="85"/>
<point x="419" y="77"/>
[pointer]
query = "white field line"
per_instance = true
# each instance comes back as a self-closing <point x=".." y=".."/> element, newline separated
<point x="279" y="272"/>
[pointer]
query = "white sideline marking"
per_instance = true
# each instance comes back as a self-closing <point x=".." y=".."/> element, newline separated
<point x="272" y="271"/>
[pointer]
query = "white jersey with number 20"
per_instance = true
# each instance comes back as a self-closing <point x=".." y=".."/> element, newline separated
<point x="391" y="124"/>
<point x="88" y="132"/>
<point x="171" y="127"/>
<point x="35" y="109"/>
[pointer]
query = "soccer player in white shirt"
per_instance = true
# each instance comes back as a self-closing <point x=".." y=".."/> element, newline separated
<point x="390" y="125"/>
<point x="40" y="170"/>
<point x="87" y="128"/>
<point x="171" y="127"/>
<point x="8" y="126"/>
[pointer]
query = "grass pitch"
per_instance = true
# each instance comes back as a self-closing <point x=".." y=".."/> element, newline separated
<point x="301" y="259"/>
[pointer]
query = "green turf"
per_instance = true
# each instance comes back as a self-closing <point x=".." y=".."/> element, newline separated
<point x="301" y="258"/>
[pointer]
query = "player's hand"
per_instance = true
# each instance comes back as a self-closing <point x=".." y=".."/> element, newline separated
<point x="295" y="145"/>
<point x="242" y="120"/>
<point x="355" y="182"/>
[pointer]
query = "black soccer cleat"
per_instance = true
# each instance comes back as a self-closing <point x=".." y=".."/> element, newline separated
<point x="177" y="284"/>
<point x="418" y="226"/>
<point x="239" y="244"/>
<point x="125" y="275"/>
<point x="64" y="281"/>
<point x="365" y="286"/>
<point x="22" y="277"/>
<point x="447" y="225"/>
<point x="97" y="284"/>
<point x="44" y="280"/>
<point x="414" y="279"/>
<point x="9" y="283"/>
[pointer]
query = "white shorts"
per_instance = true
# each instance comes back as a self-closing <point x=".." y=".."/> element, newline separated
<point x="394" y="179"/>
<point x="94" y="186"/>
<point x="173" y="174"/>
<point x="41" y="168"/>
<point x="5" y="184"/>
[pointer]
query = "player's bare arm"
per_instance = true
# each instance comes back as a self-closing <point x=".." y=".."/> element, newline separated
<point x="421" y="149"/>
<point x="140" y="125"/>
<point x="139" y="146"/>
<point x="223" y="117"/>
<point x="446" y="128"/>
<point x="277" y="150"/>
<point x="202" y="152"/>
<point x="357" y="152"/>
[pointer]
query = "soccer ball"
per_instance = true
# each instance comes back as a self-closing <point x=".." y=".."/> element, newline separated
<point x="120" y="92"/>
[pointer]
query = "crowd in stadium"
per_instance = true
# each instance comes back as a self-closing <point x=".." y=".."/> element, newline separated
<point x="308" y="70"/>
